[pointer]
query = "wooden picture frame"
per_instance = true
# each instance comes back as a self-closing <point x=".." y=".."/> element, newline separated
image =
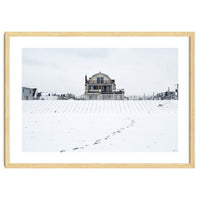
<point x="190" y="35"/>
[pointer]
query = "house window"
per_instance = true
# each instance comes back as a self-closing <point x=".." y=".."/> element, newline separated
<point x="93" y="97"/>
<point x="93" y="87"/>
<point x="100" y="80"/>
<point x="118" y="97"/>
<point x="106" y="89"/>
<point x="30" y="92"/>
<point x="106" y="97"/>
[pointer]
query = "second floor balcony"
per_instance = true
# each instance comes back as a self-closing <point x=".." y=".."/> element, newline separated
<point x="100" y="82"/>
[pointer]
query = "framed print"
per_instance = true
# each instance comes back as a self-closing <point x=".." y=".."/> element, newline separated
<point x="99" y="100"/>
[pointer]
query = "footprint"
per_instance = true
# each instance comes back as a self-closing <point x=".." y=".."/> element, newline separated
<point x="106" y="137"/>
<point x="96" y="143"/>
<point x="118" y="131"/>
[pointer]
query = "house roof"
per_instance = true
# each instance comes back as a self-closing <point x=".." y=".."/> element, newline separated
<point x="101" y="74"/>
<point x="29" y="88"/>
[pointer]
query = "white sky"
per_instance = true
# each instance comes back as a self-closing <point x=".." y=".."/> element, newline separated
<point x="138" y="71"/>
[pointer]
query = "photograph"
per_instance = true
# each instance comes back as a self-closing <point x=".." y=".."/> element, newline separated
<point x="99" y="100"/>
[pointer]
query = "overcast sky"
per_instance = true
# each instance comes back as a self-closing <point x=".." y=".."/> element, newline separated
<point x="138" y="71"/>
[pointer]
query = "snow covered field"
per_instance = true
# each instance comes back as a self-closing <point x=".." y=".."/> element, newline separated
<point x="99" y="126"/>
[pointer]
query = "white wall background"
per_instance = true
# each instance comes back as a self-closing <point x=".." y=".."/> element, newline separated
<point x="104" y="15"/>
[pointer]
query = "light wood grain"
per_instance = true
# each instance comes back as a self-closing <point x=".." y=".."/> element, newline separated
<point x="99" y="165"/>
<point x="191" y="163"/>
<point x="192" y="99"/>
<point x="99" y="34"/>
<point x="7" y="99"/>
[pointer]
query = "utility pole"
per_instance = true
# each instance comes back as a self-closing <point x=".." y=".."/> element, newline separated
<point x="177" y="90"/>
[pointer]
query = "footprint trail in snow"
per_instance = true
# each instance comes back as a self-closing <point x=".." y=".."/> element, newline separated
<point x="99" y="141"/>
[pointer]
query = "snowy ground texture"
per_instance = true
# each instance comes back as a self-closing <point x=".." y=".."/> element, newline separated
<point x="99" y="126"/>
